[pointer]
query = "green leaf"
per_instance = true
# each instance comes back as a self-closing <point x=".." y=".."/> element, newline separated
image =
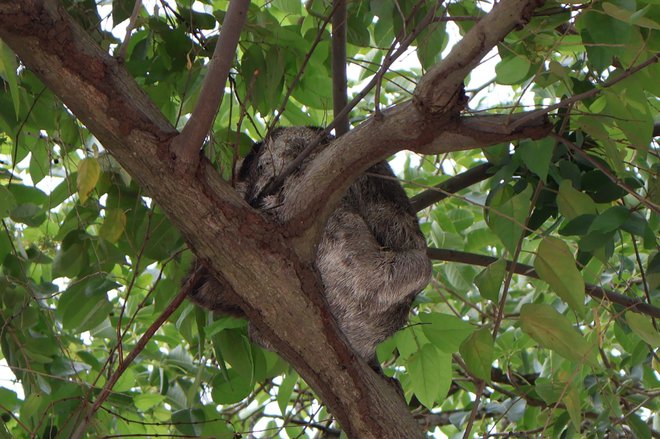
<point x="477" y="352"/>
<point x="537" y="155"/>
<point x="489" y="281"/>
<point x="445" y="331"/>
<point x="553" y="331"/>
<point x="430" y="374"/>
<point x="113" y="225"/>
<point x="7" y="202"/>
<point x="571" y="398"/>
<point x="39" y="162"/>
<point x="29" y="214"/>
<point x="564" y="391"/>
<point x="89" y="171"/>
<point x="232" y="389"/>
<point x="507" y="215"/>
<point x="146" y="401"/>
<point x="290" y="6"/>
<point x="642" y="326"/>
<point x="27" y="194"/>
<point x="555" y="265"/>
<point x="630" y="17"/>
<point x="573" y="203"/>
<point x="189" y="421"/>
<point x="72" y="255"/>
<point x="639" y="428"/>
<point x="512" y="70"/>
<point x="430" y="43"/>
<point x="8" y="72"/>
<point x="286" y="390"/>
<point x="610" y="220"/>
<point x="604" y="37"/>
<point x="578" y="225"/>
<point x="85" y="304"/>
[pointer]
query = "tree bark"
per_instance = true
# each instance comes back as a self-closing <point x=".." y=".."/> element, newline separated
<point x="270" y="267"/>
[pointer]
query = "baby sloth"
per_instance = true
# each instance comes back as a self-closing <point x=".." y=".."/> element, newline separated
<point x="371" y="257"/>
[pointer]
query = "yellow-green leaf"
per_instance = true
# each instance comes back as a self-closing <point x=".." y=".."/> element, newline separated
<point x="553" y="331"/>
<point x="507" y="214"/>
<point x="445" y="331"/>
<point x="642" y="326"/>
<point x="630" y="17"/>
<point x="88" y="174"/>
<point x="113" y="225"/>
<point x="572" y="399"/>
<point x="490" y="280"/>
<point x="555" y="265"/>
<point x="477" y="351"/>
<point x="146" y="401"/>
<point x="430" y="374"/>
<point x="573" y="203"/>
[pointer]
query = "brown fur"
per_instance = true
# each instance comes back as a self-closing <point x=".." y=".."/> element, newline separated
<point x="372" y="255"/>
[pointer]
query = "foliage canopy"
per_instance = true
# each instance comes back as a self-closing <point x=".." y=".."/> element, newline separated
<point x="541" y="317"/>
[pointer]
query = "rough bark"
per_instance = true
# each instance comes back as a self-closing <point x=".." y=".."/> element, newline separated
<point x="268" y="266"/>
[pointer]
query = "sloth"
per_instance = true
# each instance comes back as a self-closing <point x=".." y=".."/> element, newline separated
<point x="371" y="257"/>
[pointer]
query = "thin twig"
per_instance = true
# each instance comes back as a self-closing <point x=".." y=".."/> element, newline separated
<point x="392" y="55"/>
<point x="587" y="94"/>
<point x="616" y="180"/>
<point x="271" y="187"/>
<point x="121" y="51"/>
<point x="645" y="284"/>
<point x="301" y="70"/>
<point x="450" y="186"/>
<point x="594" y="291"/>
<point x="139" y="347"/>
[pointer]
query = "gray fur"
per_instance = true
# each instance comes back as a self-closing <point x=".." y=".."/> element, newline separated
<point x="371" y="257"/>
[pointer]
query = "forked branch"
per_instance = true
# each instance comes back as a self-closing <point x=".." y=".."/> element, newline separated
<point x="186" y="145"/>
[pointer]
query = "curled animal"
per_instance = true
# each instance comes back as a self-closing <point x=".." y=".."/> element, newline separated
<point x="371" y="257"/>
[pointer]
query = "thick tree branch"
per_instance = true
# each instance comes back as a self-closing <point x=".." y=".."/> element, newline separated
<point x="339" y="81"/>
<point x="469" y="132"/>
<point x="420" y="125"/>
<point x="450" y="186"/>
<point x="439" y="88"/>
<point x="186" y="146"/>
<point x="232" y="239"/>
<point x="526" y="270"/>
<point x="335" y="167"/>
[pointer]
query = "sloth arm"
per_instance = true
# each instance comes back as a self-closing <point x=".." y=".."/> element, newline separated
<point x="354" y="264"/>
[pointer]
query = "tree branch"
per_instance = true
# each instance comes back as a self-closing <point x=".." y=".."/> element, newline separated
<point x="526" y="270"/>
<point x="419" y="125"/>
<point x="450" y="186"/>
<point x="339" y="81"/>
<point x="234" y="241"/>
<point x="438" y="89"/>
<point x="469" y="132"/>
<point x="139" y="347"/>
<point x="327" y="177"/>
<point x="587" y="94"/>
<point x="186" y="146"/>
<point x="121" y="51"/>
